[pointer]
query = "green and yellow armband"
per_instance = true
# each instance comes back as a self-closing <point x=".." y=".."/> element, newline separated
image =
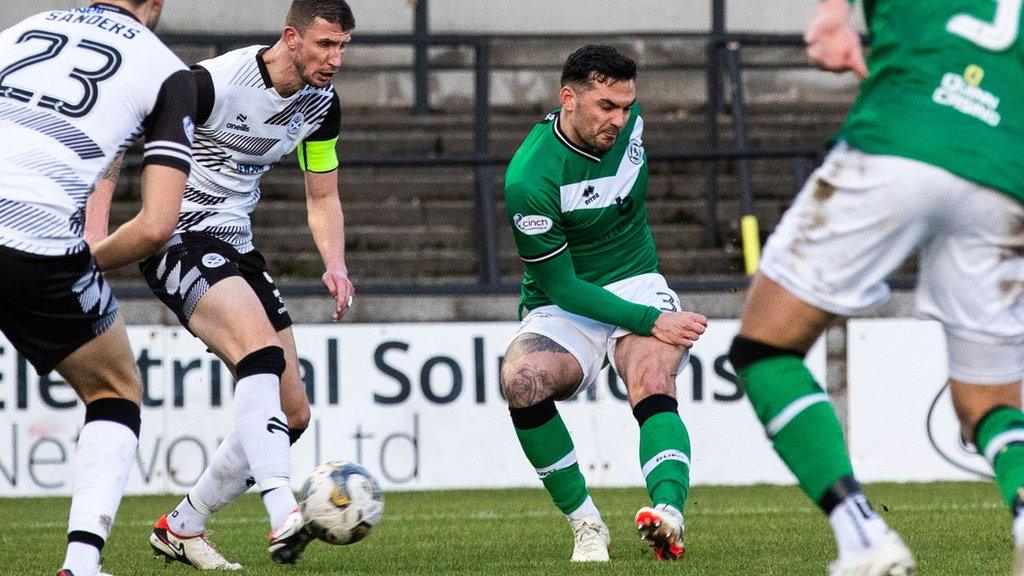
<point x="318" y="156"/>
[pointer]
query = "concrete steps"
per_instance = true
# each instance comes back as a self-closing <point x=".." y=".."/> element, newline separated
<point x="419" y="224"/>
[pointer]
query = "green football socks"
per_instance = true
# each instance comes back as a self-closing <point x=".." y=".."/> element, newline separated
<point x="549" y="448"/>
<point x="1000" y="437"/>
<point x="664" y="450"/>
<point x="797" y="415"/>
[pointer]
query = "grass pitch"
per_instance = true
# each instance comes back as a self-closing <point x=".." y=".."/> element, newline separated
<point x="954" y="528"/>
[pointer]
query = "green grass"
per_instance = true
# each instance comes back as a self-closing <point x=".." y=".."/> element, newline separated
<point x="954" y="528"/>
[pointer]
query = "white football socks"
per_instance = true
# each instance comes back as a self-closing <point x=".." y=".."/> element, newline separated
<point x="857" y="527"/>
<point x="82" y="559"/>
<point x="262" y="429"/>
<point x="224" y="480"/>
<point x="586" y="509"/>
<point x="102" y="462"/>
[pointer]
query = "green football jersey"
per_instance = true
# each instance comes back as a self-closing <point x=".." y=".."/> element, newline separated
<point x="561" y="198"/>
<point x="946" y="87"/>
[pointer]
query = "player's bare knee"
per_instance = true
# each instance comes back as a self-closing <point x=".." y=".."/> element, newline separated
<point x="527" y="381"/>
<point x="651" y="371"/>
<point x="650" y="380"/>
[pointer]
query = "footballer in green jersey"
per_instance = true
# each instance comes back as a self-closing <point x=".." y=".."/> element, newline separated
<point x="928" y="160"/>
<point x="575" y="195"/>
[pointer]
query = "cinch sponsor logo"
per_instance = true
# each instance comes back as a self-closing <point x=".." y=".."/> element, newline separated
<point x="532" y="225"/>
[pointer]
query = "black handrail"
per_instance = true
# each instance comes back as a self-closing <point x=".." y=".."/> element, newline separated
<point x="484" y="163"/>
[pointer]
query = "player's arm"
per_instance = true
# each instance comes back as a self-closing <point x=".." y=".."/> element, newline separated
<point x="543" y="247"/>
<point x="557" y="277"/>
<point x="318" y="158"/>
<point x="832" y="43"/>
<point x="168" y="135"/>
<point x="97" y="207"/>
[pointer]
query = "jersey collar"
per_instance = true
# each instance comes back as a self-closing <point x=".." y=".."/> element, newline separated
<point x="113" y="8"/>
<point x="568" y="143"/>
<point x="264" y="72"/>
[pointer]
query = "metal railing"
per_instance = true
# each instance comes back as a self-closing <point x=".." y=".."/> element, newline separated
<point x="723" y="66"/>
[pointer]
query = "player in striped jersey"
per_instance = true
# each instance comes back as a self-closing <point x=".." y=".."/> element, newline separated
<point x="255" y="106"/>
<point x="76" y="87"/>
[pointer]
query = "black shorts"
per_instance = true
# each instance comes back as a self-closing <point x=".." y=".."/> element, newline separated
<point x="182" y="272"/>
<point x="51" y="305"/>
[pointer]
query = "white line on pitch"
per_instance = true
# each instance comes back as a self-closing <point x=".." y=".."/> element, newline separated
<point x="485" y="515"/>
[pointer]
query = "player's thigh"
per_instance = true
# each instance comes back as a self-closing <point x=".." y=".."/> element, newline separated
<point x="537" y="368"/>
<point x="294" y="401"/>
<point x="200" y="279"/>
<point x="104" y="367"/>
<point x="973" y="401"/>
<point x="648" y="366"/>
<point x="777" y="317"/>
<point x="971" y="280"/>
<point x="230" y="319"/>
<point x="854" y="222"/>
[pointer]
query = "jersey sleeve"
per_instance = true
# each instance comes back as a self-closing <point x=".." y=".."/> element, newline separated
<point x="536" y="219"/>
<point x="319" y="151"/>
<point x="537" y="226"/>
<point x="206" y="94"/>
<point x="169" y="127"/>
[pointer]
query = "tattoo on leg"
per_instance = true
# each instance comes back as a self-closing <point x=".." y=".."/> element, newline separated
<point x="540" y="344"/>
<point x="528" y="386"/>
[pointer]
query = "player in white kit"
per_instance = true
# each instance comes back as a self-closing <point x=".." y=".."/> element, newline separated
<point x="76" y="88"/>
<point x="255" y="106"/>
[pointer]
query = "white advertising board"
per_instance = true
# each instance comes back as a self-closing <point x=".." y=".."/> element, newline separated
<point x="902" y="424"/>
<point x="418" y="404"/>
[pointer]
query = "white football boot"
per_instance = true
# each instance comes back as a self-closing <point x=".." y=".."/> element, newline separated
<point x="890" y="557"/>
<point x="592" y="540"/>
<point x="288" y="540"/>
<point x="195" y="551"/>
<point x="663" y="527"/>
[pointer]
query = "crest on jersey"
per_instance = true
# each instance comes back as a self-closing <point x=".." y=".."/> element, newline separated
<point x="295" y="124"/>
<point x="636" y="151"/>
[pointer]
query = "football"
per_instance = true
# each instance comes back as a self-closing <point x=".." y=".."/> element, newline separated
<point x="341" y="502"/>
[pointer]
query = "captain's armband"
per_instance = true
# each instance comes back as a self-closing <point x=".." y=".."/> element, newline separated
<point x="320" y="157"/>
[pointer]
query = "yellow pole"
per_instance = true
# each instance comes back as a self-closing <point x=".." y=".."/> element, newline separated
<point x="751" y="243"/>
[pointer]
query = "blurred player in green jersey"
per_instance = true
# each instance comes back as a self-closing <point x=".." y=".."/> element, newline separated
<point x="928" y="159"/>
<point x="575" y="194"/>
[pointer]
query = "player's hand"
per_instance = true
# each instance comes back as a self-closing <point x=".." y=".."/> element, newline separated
<point x="341" y="288"/>
<point x="832" y="43"/>
<point x="679" y="328"/>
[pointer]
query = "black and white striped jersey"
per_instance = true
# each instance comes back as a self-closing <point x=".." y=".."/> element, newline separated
<point x="243" y="128"/>
<point x="77" y="87"/>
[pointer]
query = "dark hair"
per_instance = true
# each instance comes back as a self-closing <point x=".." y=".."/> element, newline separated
<point x="597" y="62"/>
<point x="303" y="12"/>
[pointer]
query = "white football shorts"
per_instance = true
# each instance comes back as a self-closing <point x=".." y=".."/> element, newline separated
<point x="592" y="343"/>
<point x="858" y="218"/>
